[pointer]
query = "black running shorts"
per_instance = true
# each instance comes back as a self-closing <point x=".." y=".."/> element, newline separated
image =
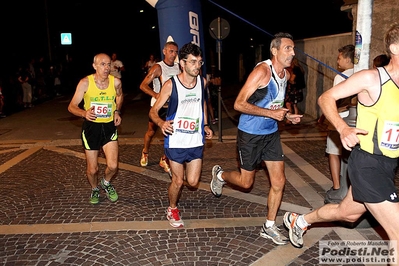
<point x="96" y="135"/>
<point x="252" y="149"/>
<point x="372" y="177"/>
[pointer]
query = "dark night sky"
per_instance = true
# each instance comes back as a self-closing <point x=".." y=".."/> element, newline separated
<point x="118" y="26"/>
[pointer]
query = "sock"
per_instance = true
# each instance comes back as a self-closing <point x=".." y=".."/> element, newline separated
<point x="105" y="182"/>
<point x="219" y="176"/>
<point x="269" y="223"/>
<point x="96" y="188"/>
<point x="301" y="222"/>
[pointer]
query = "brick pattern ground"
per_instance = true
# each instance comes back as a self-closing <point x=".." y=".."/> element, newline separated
<point x="52" y="188"/>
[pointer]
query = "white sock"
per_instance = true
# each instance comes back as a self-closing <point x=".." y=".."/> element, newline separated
<point x="301" y="221"/>
<point x="219" y="176"/>
<point x="269" y="223"/>
<point x="105" y="182"/>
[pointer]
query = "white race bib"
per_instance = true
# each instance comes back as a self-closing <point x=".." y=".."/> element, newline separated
<point x="102" y="109"/>
<point x="390" y="135"/>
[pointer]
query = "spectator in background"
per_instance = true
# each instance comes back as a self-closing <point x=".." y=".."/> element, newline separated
<point x="150" y="62"/>
<point x="32" y="72"/>
<point x="117" y="66"/>
<point x="214" y="81"/>
<point x="24" y="79"/>
<point x="15" y="90"/>
<point x="380" y="60"/>
<point x="295" y="87"/>
<point x="2" y="115"/>
<point x="345" y="61"/>
<point x="41" y="72"/>
<point x="69" y="75"/>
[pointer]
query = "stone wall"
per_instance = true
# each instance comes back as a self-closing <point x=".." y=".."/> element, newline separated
<point x="318" y="56"/>
<point x="385" y="12"/>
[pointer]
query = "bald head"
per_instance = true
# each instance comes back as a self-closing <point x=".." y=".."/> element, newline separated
<point x="99" y="57"/>
<point x="102" y="64"/>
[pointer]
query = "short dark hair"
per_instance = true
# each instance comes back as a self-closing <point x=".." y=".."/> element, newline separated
<point x="170" y="43"/>
<point x="348" y="51"/>
<point x="276" y="41"/>
<point x="189" y="48"/>
<point x="381" y="60"/>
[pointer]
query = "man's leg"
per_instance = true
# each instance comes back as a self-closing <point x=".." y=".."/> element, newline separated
<point x="269" y="229"/>
<point x="152" y="127"/>
<point x="111" y="156"/>
<point x="164" y="161"/>
<point x="174" y="192"/>
<point x="335" y="169"/>
<point x="387" y="214"/>
<point x="347" y="210"/>
<point x="193" y="172"/>
<point x="92" y="167"/>
<point x="277" y="181"/>
<point x="111" y="150"/>
<point x="92" y="175"/>
<point x="334" y="150"/>
<point x="176" y="183"/>
<point x="149" y="134"/>
<point x="296" y="109"/>
<point x="245" y="179"/>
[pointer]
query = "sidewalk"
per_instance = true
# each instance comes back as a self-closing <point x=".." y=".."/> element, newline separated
<point x="45" y="218"/>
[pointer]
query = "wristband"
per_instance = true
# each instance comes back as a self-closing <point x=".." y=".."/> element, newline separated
<point x="206" y="125"/>
<point x="117" y="111"/>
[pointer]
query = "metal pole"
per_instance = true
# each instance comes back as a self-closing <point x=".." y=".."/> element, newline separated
<point x="363" y="34"/>
<point x="219" y="43"/>
<point x="362" y="55"/>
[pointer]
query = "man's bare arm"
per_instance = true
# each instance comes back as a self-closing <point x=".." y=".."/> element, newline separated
<point x="259" y="77"/>
<point x="77" y="98"/>
<point x="166" y="126"/>
<point x="154" y="72"/>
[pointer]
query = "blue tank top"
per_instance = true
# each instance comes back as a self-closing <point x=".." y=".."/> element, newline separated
<point x="271" y="97"/>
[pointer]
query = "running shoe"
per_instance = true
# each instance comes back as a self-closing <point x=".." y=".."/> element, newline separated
<point x="274" y="234"/>
<point x="164" y="163"/>
<point x="110" y="190"/>
<point x="95" y="196"/>
<point x="144" y="159"/>
<point x="216" y="184"/>
<point x="295" y="232"/>
<point x="335" y="195"/>
<point x="173" y="215"/>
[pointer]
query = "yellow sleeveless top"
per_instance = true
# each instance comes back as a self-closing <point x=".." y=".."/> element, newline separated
<point x="102" y="99"/>
<point x="381" y="120"/>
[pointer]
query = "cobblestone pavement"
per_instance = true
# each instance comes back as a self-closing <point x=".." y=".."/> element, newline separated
<point x="46" y="219"/>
